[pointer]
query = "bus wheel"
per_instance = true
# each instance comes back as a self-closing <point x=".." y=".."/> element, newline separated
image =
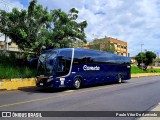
<point x="77" y="83"/>
<point x="119" y="79"/>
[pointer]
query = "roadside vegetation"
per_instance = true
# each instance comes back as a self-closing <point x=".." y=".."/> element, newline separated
<point x="145" y="59"/>
<point x="135" y="69"/>
<point x="11" y="67"/>
<point x="8" y="72"/>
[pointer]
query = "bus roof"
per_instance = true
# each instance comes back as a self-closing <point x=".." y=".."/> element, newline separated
<point x="83" y="50"/>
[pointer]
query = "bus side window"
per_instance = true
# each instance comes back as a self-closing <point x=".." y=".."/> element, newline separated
<point x="61" y="66"/>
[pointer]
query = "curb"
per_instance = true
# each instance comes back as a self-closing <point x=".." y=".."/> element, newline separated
<point x="23" y="83"/>
<point x="144" y="75"/>
<point x="15" y="84"/>
<point x="155" y="109"/>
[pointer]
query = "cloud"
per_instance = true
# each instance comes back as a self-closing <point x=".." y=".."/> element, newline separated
<point x="136" y="22"/>
<point x="8" y="5"/>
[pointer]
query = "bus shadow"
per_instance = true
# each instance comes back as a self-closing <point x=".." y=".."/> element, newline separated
<point x="53" y="90"/>
<point x="43" y="90"/>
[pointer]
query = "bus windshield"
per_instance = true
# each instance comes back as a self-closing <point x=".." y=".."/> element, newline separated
<point x="47" y="63"/>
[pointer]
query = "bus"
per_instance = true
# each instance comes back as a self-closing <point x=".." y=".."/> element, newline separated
<point x="76" y="67"/>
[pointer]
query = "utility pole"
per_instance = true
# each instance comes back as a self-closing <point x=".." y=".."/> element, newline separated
<point x="5" y="43"/>
<point x="141" y="56"/>
<point x="158" y="55"/>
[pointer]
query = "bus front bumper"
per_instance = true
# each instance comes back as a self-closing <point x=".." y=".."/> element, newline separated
<point x="44" y="81"/>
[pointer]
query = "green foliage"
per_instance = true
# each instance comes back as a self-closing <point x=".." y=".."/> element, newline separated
<point x="157" y="70"/>
<point x="10" y="67"/>
<point x="135" y="69"/>
<point x="140" y="58"/>
<point x="8" y="59"/>
<point x="24" y="26"/>
<point x="78" y="44"/>
<point x="107" y="46"/>
<point x="150" y="57"/>
<point x="145" y="58"/>
<point x="66" y="30"/>
<point x="34" y="28"/>
<point x="16" y="72"/>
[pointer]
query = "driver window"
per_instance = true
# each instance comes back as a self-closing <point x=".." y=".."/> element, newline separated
<point x="61" y="66"/>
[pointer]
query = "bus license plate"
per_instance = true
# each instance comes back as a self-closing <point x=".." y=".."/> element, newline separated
<point x="41" y="84"/>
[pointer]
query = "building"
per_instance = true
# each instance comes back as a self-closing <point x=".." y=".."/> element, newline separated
<point x="13" y="46"/>
<point x="120" y="46"/>
<point x="86" y="46"/>
<point x="10" y="47"/>
<point x="1" y="45"/>
<point x="133" y="60"/>
<point x="156" y="62"/>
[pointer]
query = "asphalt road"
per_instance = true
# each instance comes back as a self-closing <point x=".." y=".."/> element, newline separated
<point x="137" y="94"/>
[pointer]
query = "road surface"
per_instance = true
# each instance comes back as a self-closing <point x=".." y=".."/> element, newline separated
<point x="137" y="94"/>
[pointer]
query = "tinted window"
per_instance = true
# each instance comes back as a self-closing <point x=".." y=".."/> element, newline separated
<point x="66" y="53"/>
<point x="82" y="57"/>
<point x="64" y="62"/>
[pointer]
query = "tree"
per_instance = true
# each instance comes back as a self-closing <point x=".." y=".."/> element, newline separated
<point x="4" y="19"/>
<point x="109" y="47"/>
<point x="150" y="57"/>
<point x="66" y="29"/>
<point x="103" y="45"/>
<point x="78" y="44"/>
<point x="27" y="27"/>
<point x="35" y="28"/>
<point x="145" y="58"/>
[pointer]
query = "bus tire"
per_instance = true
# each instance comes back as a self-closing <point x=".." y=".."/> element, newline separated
<point x="119" y="79"/>
<point x="77" y="83"/>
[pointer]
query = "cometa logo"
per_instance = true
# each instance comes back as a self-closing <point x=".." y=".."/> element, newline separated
<point x="85" y="67"/>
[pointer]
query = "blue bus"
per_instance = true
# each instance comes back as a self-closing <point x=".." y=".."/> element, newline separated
<point x="75" y="67"/>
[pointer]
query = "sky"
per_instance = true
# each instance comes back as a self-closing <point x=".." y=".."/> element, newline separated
<point x="133" y="21"/>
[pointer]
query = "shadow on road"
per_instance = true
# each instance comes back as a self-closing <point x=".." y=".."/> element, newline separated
<point x="103" y="84"/>
<point x="42" y="90"/>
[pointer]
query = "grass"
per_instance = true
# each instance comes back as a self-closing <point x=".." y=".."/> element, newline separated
<point x="10" y="67"/>
<point x="135" y="69"/>
<point x="7" y="72"/>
